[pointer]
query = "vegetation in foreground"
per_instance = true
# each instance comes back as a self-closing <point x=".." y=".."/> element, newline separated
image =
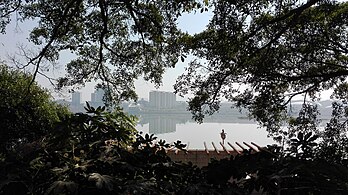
<point x="275" y="50"/>
<point x="101" y="152"/>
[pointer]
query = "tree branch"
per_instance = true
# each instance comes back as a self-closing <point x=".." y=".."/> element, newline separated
<point x="55" y="34"/>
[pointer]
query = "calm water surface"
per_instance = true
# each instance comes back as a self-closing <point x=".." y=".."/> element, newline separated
<point x="174" y="128"/>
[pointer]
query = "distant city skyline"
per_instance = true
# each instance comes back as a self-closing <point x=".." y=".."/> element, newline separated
<point x="162" y="99"/>
<point x="167" y="97"/>
<point x="156" y="100"/>
<point x="164" y="102"/>
<point x="76" y="104"/>
<point x="17" y="34"/>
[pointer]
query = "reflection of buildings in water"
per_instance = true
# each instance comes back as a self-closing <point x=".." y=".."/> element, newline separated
<point x="163" y="123"/>
<point x="166" y="123"/>
<point x="159" y="125"/>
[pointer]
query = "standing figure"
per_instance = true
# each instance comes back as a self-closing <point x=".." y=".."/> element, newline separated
<point x="223" y="136"/>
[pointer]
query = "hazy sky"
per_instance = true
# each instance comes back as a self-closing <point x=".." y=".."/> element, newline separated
<point x="17" y="33"/>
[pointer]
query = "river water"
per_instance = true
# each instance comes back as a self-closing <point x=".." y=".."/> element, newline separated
<point x="178" y="127"/>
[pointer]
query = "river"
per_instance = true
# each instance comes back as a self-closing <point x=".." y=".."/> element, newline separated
<point x="180" y="127"/>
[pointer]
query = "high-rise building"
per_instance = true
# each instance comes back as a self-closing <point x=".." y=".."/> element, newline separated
<point x="97" y="98"/>
<point x="76" y="98"/>
<point x="162" y="100"/>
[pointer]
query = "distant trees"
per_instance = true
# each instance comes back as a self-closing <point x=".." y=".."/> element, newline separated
<point x="27" y="111"/>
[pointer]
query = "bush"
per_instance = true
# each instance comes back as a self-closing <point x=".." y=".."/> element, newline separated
<point x="27" y="111"/>
<point x="101" y="153"/>
<point x="97" y="153"/>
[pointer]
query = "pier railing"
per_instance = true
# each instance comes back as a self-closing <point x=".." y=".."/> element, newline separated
<point x="201" y="157"/>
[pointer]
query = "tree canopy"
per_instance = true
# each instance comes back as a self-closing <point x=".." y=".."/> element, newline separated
<point x="114" y="42"/>
<point x="259" y="54"/>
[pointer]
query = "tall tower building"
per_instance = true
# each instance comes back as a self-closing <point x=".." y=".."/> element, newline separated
<point x="97" y="98"/>
<point x="76" y="98"/>
<point x="162" y="100"/>
<point x="99" y="95"/>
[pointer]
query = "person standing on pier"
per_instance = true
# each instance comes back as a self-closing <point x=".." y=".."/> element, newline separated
<point x="223" y="136"/>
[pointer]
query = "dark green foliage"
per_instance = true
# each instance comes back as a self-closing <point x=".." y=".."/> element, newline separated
<point x="7" y="7"/>
<point x="272" y="173"/>
<point x="334" y="146"/>
<point x="304" y="145"/>
<point x="98" y="152"/>
<point x="27" y="111"/>
<point x="259" y="54"/>
<point x="101" y="153"/>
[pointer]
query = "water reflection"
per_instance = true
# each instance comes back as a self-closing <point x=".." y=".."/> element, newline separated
<point x="180" y="126"/>
<point x="162" y="123"/>
<point x="173" y="127"/>
<point x="167" y="123"/>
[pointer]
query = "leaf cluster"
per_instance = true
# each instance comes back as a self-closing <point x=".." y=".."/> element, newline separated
<point x="27" y="111"/>
<point x="101" y="152"/>
<point x="261" y="54"/>
<point x="97" y="152"/>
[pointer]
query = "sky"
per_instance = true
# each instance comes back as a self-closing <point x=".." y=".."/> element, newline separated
<point x="17" y="33"/>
